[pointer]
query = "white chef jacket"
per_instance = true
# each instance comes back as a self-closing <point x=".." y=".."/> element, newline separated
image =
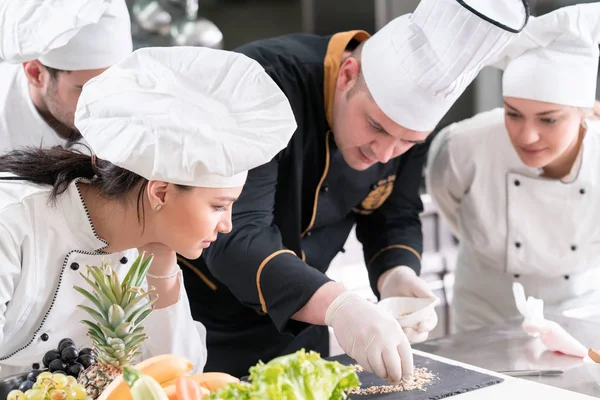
<point x="43" y="249"/>
<point x="514" y="224"/>
<point x="20" y="122"/>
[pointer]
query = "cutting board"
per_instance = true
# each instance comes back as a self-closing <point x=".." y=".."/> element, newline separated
<point x="452" y="380"/>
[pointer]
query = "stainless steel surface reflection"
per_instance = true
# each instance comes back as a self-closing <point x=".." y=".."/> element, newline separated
<point x="506" y="347"/>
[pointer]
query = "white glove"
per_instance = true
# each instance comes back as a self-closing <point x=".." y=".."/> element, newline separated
<point x="554" y="336"/>
<point x="404" y="282"/>
<point x="371" y="336"/>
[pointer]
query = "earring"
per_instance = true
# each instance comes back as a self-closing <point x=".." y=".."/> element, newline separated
<point x="158" y="207"/>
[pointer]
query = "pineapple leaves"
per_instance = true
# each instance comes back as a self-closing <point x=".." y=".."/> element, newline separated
<point x="97" y="290"/>
<point x="103" y="283"/>
<point x="115" y="285"/>
<point x="99" y="305"/>
<point x="95" y="314"/>
<point x="117" y="309"/>
<point x="132" y="271"/>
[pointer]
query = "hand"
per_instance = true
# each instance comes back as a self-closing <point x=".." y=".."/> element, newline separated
<point x="403" y="282"/>
<point x="371" y="336"/>
<point x="596" y="110"/>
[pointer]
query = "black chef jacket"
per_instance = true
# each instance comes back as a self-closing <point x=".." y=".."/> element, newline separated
<point x="295" y="214"/>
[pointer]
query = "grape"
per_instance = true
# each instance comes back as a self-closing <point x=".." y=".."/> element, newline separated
<point x="58" y="394"/>
<point x="16" y="395"/>
<point x="69" y="354"/>
<point x="72" y="381"/>
<point x="32" y="375"/>
<point x="75" y="369"/>
<point x="80" y="393"/>
<point x="35" y="394"/>
<point x="44" y="379"/>
<point x="25" y="386"/>
<point x="86" y="350"/>
<point x="57" y="365"/>
<point x="50" y="356"/>
<point x="65" y="340"/>
<point x="60" y="380"/>
<point x="86" y="360"/>
<point x="71" y="395"/>
<point x="66" y="345"/>
<point x="35" y="366"/>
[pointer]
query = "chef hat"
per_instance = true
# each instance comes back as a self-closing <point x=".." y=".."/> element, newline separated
<point x="192" y="116"/>
<point x="418" y="64"/>
<point x="69" y="35"/>
<point x="556" y="58"/>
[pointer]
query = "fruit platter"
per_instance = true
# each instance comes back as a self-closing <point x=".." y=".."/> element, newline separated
<point x="108" y="371"/>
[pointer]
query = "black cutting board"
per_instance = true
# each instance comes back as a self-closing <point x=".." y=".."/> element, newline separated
<point x="451" y="380"/>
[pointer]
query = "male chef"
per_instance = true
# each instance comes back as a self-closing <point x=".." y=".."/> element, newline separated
<point x="364" y="108"/>
<point x="48" y="55"/>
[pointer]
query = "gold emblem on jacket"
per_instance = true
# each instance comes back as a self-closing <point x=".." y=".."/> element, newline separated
<point x="378" y="195"/>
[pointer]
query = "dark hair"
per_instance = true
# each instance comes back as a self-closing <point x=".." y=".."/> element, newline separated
<point x="59" y="166"/>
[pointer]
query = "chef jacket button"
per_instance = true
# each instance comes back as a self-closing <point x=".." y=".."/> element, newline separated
<point x="35" y="366"/>
<point x="123" y="260"/>
<point x="74" y="266"/>
<point x="517" y="244"/>
<point x="567" y="277"/>
<point x="517" y="182"/>
<point x="324" y="188"/>
<point x="308" y="233"/>
<point x="582" y="191"/>
<point x="573" y="247"/>
<point x="44" y="337"/>
<point x="373" y="186"/>
<point x="517" y="276"/>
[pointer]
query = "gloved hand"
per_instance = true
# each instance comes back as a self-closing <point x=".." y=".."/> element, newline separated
<point x="371" y="336"/>
<point x="404" y="282"/>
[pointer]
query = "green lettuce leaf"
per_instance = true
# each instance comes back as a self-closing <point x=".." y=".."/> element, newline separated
<point x="298" y="376"/>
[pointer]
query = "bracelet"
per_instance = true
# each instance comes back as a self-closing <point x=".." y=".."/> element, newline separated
<point x="171" y="275"/>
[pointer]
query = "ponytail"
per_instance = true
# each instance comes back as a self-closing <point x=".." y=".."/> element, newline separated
<point x="59" y="166"/>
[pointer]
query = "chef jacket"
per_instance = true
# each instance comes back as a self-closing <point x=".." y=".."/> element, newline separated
<point x="513" y="223"/>
<point x="296" y="212"/>
<point x="43" y="249"/>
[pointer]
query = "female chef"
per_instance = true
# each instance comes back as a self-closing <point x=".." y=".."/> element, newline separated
<point x="520" y="186"/>
<point x="174" y="131"/>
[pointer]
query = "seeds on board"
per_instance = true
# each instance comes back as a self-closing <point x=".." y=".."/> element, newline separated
<point x="422" y="378"/>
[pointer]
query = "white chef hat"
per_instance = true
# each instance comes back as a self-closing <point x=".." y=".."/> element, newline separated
<point x="556" y="58"/>
<point x="187" y="115"/>
<point x="418" y="64"/>
<point x="65" y="34"/>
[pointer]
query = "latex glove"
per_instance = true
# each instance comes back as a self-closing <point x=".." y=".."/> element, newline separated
<point x="403" y="282"/>
<point x="371" y="336"/>
<point x="554" y="336"/>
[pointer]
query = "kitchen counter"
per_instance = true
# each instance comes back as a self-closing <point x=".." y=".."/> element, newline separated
<point x="511" y="388"/>
<point x="506" y="347"/>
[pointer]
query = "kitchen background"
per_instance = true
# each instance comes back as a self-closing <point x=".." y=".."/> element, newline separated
<point x="229" y="23"/>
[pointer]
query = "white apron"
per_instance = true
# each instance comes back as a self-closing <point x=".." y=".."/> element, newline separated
<point x="513" y="224"/>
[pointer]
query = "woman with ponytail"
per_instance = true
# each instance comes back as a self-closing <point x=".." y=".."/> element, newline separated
<point x="172" y="139"/>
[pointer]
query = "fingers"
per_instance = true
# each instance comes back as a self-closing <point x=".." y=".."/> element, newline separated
<point x="375" y="358"/>
<point x="406" y="358"/>
<point x="393" y="364"/>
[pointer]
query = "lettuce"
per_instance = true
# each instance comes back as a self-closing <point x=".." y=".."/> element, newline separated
<point x="298" y="376"/>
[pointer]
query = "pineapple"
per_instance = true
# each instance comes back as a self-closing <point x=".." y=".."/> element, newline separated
<point x="118" y="311"/>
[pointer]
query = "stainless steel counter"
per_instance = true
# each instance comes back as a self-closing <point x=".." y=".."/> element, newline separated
<point x="507" y="347"/>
